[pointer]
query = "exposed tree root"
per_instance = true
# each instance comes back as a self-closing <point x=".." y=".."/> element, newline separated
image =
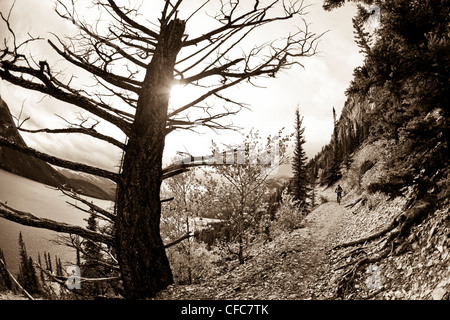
<point x="346" y="283"/>
<point x="351" y="205"/>
<point x="373" y="294"/>
<point x="393" y="237"/>
<point x="373" y="236"/>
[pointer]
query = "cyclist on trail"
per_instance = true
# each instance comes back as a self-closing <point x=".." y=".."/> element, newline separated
<point x="339" y="193"/>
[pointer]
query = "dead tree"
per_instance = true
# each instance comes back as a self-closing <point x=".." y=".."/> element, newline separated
<point x="134" y="63"/>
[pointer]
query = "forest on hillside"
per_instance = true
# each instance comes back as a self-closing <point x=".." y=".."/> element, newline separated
<point x="191" y="221"/>
<point x="400" y="94"/>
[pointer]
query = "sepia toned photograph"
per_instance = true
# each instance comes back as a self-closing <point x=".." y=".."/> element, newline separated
<point x="224" y="155"/>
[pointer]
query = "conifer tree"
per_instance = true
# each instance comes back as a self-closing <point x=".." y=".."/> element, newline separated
<point x="90" y="268"/>
<point x="27" y="274"/>
<point x="59" y="268"/>
<point x="5" y="280"/>
<point x="23" y="268"/>
<point x="48" y="261"/>
<point x="313" y="182"/>
<point x="34" y="281"/>
<point x="300" y="179"/>
<point x="333" y="172"/>
<point x="41" y="273"/>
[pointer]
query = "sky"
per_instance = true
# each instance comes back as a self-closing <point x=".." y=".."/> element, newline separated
<point x="315" y="89"/>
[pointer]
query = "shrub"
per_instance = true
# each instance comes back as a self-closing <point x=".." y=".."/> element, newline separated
<point x="289" y="215"/>
<point x="366" y="166"/>
<point x="391" y="189"/>
<point x="323" y="199"/>
<point x="191" y="262"/>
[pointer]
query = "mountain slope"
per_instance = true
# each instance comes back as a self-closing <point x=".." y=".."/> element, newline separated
<point x="307" y="264"/>
<point x="36" y="169"/>
<point x="19" y="163"/>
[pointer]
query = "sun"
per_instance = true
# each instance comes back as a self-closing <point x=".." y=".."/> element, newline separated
<point x="180" y="95"/>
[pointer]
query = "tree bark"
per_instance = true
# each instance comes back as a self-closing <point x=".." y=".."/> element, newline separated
<point x="141" y="254"/>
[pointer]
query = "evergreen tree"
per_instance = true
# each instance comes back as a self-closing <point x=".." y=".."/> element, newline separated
<point x="48" y="261"/>
<point x="22" y="277"/>
<point x="27" y="274"/>
<point x="313" y="179"/>
<point x="41" y="273"/>
<point x="34" y="281"/>
<point x="90" y="268"/>
<point x="333" y="172"/>
<point x="59" y="268"/>
<point x="5" y="280"/>
<point x="363" y="38"/>
<point x="300" y="179"/>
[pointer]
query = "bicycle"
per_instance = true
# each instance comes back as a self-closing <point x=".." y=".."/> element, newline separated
<point x="339" y="197"/>
<point x="339" y="193"/>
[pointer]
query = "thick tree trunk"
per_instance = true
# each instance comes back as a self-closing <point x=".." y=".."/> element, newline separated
<point x="141" y="254"/>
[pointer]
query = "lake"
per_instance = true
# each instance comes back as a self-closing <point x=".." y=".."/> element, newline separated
<point x="42" y="201"/>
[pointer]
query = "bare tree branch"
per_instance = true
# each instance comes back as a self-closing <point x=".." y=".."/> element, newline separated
<point x="31" y="220"/>
<point x="91" y="205"/>
<point x="87" y="131"/>
<point x="172" y="243"/>
<point x="114" y="79"/>
<point x="49" y="88"/>
<point x="131" y="22"/>
<point x="62" y="279"/>
<point x="60" y="162"/>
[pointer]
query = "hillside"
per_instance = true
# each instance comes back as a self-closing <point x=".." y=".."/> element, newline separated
<point x="307" y="264"/>
<point x="35" y="169"/>
<point x="104" y="188"/>
<point x="303" y="264"/>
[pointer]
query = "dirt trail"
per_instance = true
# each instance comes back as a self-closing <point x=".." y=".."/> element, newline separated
<point x="323" y="225"/>
<point x="324" y="222"/>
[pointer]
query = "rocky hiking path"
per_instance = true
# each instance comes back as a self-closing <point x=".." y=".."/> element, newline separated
<point x="293" y="266"/>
